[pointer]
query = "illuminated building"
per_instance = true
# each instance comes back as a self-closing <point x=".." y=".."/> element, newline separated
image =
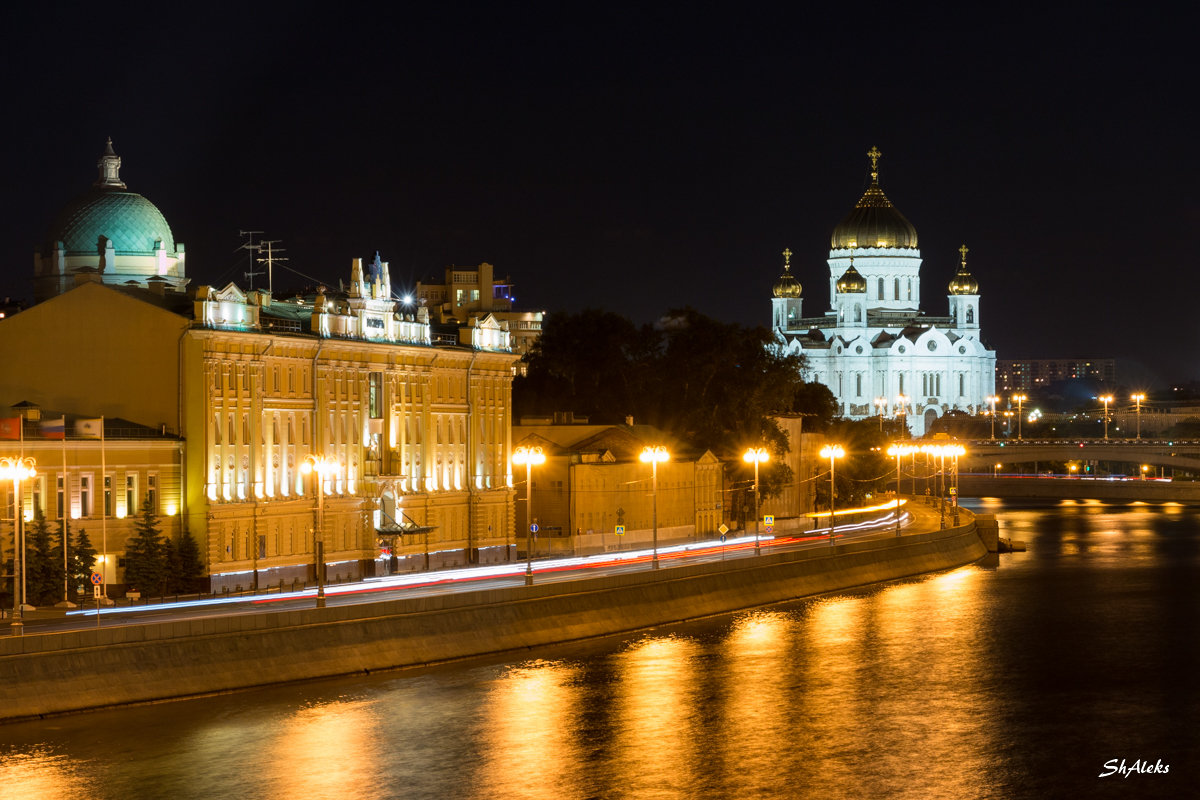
<point x="472" y="291"/>
<point x="1035" y="373"/>
<point x="875" y="341"/>
<point x="416" y="415"/>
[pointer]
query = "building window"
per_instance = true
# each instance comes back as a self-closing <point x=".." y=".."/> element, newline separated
<point x="61" y="498"/>
<point x="896" y="287"/>
<point x="108" y="498"/>
<point x="152" y="492"/>
<point x="910" y="288"/>
<point x="39" y="486"/>
<point x="130" y="493"/>
<point x="961" y="384"/>
<point x="880" y="288"/>
<point x="375" y="395"/>
<point x="85" y="495"/>
<point x="970" y="315"/>
<point x="858" y="385"/>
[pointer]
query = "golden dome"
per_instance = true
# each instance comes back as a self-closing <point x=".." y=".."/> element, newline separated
<point x="787" y="286"/>
<point x="852" y="282"/>
<point x="963" y="281"/>
<point x="874" y="222"/>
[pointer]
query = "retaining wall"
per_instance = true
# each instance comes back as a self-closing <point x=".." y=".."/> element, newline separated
<point x="159" y="661"/>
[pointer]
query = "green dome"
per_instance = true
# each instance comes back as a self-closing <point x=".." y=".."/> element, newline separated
<point x="130" y="221"/>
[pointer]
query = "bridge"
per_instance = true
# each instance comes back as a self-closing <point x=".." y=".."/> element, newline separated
<point x="982" y="455"/>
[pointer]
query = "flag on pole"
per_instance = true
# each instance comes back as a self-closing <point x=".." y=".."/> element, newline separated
<point x="54" y="428"/>
<point x="90" y="428"/>
<point x="10" y="427"/>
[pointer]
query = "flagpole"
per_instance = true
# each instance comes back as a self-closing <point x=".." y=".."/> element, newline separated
<point x="19" y="513"/>
<point x="103" y="515"/>
<point x="66" y="533"/>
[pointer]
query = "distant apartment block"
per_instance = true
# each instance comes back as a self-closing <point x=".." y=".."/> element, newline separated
<point x="1023" y="375"/>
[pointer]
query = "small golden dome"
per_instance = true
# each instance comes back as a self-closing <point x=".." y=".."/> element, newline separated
<point x="963" y="281"/>
<point x="874" y="222"/>
<point x="787" y="286"/>
<point x="852" y="282"/>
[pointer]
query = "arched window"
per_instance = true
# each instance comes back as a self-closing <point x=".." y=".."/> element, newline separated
<point x="857" y="313"/>
<point x="858" y="385"/>
<point x="881" y="288"/>
<point x="910" y="288"/>
<point x="897" y="288"/>
<point x="962" y="383"/>
<point x="970" y="315"/>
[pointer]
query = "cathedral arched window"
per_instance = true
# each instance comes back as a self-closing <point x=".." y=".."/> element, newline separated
<point x="910" y="288"/>
<point x="881" y="288"/>
<point x="896" y="296"/>
<point x="857" y="313"/>
<point x="858" y="385"/>
<point x="962" y="383"/>
<point x="970" y="315"/>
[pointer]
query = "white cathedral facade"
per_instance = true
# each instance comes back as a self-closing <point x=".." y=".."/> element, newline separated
<point x="875" y="349"/>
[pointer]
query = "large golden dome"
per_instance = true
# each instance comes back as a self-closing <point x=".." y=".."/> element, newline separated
<point x="874" y="222"/>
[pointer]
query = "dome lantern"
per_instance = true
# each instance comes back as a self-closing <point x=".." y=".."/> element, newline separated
<point x="787" y="285"/>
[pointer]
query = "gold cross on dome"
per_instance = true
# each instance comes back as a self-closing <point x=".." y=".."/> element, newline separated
<point x="787" y="257"/>
<point x="963" y="252"/>
<point x="874" y="155"/>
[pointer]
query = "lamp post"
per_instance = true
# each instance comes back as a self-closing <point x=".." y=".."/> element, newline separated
<point x="17" y="470"/>
<point x="1138" y="398"/>
<point x="652" y="456"/>
<point x="996" y="470"/>
<point x="898" y="451"/>
<point x="529" y="456"/>
<point x="1020" y="398"/>
<point x="832" y="452"/>
<point x="881" y="409"/>
<point x="956" y="450"/>
<point x="324" y="468"/>
<point x="1008" y="415"/>
<point x="755" y="456"/>
<point x="1106" y="399"/>
<point x="993" y="400"/>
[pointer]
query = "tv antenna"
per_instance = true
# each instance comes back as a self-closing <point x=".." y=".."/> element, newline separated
<point x="250" y="245"/>
<point x="271" y="259"/>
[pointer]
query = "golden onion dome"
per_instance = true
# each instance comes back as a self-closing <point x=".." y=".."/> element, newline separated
<point x="874" y="222"/>
<point x="963" y="281"/>
<point x="787" y="286"/>
<point x="852" y="282"/>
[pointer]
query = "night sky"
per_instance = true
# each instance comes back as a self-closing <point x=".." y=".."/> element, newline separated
<point x="640" y="159"/>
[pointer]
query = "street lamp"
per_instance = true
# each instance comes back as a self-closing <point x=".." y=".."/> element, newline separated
<point x="832" y="452"/>
<point x="17" y="470"/>
<point x="993" y="400"/>
<point x="1138" y="398"/>
<point x="529" y="456"/>
<point x="325" y="469"/>
<point x="1106" y="399"/>
<point x="881" y="409"/>
<point x="652" y="456"/>
<point x="755" y="456"/>
<point x="899" y="451"/>
<point x="1008" y="415"/>
<point x="1020" y="398"/>
<point x="996" y="470"/>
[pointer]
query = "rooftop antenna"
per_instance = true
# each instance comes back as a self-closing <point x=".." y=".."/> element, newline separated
<point x="270" y="260"/>
<point x="253" y="248"/>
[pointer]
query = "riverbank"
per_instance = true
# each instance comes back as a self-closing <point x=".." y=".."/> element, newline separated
<point x="153" y="662"/>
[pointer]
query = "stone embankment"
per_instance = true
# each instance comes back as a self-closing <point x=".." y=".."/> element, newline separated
<point x="49" y="674"/>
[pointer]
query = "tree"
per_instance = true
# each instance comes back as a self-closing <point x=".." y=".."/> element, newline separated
<point x="44" y="569"/>
<point x="82" y="561"/>
<point x="144" y="567"/>
<point x="190" y="566"/>
<point x="866" y="467"/>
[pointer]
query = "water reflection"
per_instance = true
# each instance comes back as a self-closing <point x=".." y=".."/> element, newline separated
<point x="1016" y="681"/>
<point x="529" y="749"/>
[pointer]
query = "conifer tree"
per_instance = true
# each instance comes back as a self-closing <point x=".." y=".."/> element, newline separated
<point x="144" y="567"/>
<point x="43" y="580"/>
<point x="82" y="562"/>
<point x="191" y="567"/>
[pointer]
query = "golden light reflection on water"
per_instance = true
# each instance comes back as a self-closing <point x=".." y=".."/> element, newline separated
<point x="41" y="772"/>
<point x="756" y="677"/>
<point x="657" y="718"/>
<point x="330" y="749"/>
<point x="530" y="747"/>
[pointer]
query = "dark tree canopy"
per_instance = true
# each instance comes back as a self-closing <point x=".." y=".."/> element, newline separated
<point x="712" y="384"/>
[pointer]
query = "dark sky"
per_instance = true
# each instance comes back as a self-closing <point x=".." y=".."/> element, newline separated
<point x="637" y="159"/>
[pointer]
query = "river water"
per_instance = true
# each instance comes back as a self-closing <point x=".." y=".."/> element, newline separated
<point x="1029" y="679"/>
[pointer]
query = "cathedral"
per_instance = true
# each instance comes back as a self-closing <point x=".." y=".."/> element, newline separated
<point x="875" y="349"/>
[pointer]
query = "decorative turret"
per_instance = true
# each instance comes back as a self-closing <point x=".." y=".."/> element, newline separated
<point x="785" y="305"/>
<point x="964" y="295"/>
<point x="110" y="169"/>
<point x="851" y="282"/>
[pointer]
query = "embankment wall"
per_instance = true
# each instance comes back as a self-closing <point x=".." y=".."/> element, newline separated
<point x="58" y="673"/>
